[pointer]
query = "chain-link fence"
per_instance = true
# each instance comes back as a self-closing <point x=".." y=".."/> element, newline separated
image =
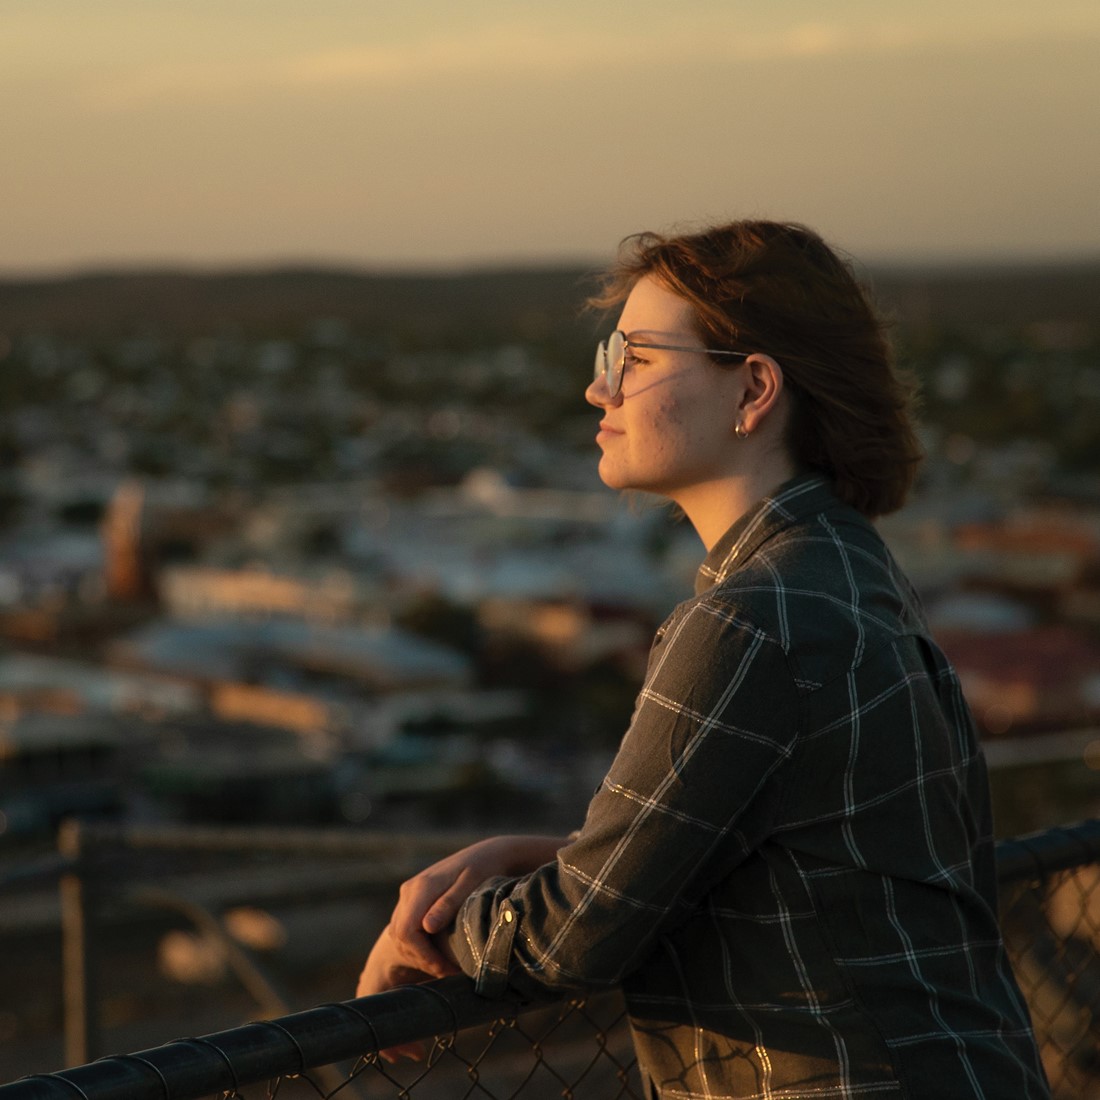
<point x="578" y="1048"/>
<point x="475" y="1047"/>
<point x="581" y="1048"/>
<point x="1050" y="917"/>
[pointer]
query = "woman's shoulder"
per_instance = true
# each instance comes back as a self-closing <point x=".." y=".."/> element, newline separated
<point x="826" y="585"/>
<point x="835" y="549"/>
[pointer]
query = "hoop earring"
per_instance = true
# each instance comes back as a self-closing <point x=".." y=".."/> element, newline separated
<point x="740" y="430"/>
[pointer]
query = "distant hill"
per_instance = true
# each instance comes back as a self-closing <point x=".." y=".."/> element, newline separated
<point x="527" y="304"/>
<point x="1008" y="295"/>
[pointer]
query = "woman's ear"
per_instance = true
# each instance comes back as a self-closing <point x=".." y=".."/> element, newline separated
<point x="763" y="387"/>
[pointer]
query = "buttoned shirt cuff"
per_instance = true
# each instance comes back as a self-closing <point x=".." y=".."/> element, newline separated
<point x="483" y="935"/>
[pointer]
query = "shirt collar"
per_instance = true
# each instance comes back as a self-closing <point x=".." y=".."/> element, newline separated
<point x="801" y="496"/>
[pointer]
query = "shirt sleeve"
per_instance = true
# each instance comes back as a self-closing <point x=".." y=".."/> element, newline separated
<point x="692" y="790"/>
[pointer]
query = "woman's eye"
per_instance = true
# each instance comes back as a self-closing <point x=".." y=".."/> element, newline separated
<point x="633" y="360"/>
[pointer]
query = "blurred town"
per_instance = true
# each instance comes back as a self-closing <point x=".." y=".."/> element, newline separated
<point x="332" y="549"/>
<point x="325" y="549"/>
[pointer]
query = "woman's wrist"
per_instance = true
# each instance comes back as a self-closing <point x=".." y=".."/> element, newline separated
<point x="524" y="853"/>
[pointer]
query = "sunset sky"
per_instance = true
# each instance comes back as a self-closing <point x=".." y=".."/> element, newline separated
<point x="429" y="133"/>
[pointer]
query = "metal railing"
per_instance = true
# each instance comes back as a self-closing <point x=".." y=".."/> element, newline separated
<point x="1050" y="912"/>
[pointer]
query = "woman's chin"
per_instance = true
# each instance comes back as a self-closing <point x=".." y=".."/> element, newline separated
<point x="613" y="478"/>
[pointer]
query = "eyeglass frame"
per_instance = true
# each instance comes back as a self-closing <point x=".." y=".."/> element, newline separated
<point x="603" y="362"/>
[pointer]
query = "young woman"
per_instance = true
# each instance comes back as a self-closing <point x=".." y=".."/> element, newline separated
<point x="789" y="865"/>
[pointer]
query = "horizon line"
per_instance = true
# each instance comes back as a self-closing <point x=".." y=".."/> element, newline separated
<point x="198" y="268"/>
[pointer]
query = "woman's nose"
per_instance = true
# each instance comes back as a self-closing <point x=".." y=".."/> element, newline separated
<point x="597" y="394"/>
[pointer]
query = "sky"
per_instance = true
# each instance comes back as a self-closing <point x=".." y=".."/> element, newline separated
<point x="429" y="134"/>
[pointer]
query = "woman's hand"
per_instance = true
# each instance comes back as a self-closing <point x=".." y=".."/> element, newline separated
<point x="405" y="953"/>
<point x="429" y="901"/>
<point x="387" y="966"/>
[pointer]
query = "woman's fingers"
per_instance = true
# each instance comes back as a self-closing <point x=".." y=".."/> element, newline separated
<point x="445" y="908"/>
<point x="386" y="967"/>
<point x="422" y="953"/>
<point x="417" y="897"/>
<point x="413" y="1051"/>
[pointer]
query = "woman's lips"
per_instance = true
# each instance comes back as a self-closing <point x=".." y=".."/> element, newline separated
<point x="606" y="431"/>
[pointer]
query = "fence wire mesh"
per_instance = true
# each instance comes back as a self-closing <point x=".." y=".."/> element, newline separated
<point x="580" y="1049"/>
<point x="1050" y="918"/>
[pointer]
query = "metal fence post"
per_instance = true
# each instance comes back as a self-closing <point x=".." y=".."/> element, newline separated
<point x="78" y="935"/>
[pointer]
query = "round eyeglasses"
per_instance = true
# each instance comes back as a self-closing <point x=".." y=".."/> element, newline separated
<point x="611" y="357"/>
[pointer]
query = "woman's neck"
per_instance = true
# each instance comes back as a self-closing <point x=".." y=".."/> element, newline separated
<point x="713" y="507"/>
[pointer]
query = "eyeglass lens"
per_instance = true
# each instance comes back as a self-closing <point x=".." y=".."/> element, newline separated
<point x="610" y="354"/>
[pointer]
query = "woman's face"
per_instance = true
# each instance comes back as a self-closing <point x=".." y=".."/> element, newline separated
<point x="670" y="429"/>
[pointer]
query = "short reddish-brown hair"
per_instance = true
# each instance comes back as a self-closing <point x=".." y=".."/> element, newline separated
<point x="779" y="289"/>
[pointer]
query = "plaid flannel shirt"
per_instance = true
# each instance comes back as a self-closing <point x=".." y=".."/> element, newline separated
<point x="789" y="866"/>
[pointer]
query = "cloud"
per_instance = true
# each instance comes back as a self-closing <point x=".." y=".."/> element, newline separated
<point x="514" y="51"/>
<point x="518" y="51"/>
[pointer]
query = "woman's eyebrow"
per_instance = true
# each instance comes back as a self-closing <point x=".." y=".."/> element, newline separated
<point x="648" y="334"/>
